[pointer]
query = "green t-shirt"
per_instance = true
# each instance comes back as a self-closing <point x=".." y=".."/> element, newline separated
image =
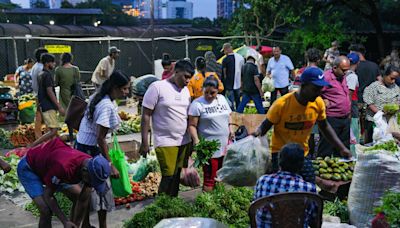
<point x="65" y="78"/>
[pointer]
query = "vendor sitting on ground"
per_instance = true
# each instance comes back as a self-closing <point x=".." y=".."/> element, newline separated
<point x="54" y="166"/>
<point x="293" y="117"/>
<point x="291" y="160"/>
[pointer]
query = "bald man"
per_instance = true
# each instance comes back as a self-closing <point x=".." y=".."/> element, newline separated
<point x="338" y="106"/>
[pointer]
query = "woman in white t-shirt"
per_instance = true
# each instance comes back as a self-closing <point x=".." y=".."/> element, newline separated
<point x="209" y="117"/>
<point x="101" y="117"/>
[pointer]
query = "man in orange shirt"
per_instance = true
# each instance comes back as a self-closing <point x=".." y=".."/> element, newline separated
<point x="293" y="117"/>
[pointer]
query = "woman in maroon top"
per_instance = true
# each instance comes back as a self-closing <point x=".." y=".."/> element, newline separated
<point x="54" y="166"/>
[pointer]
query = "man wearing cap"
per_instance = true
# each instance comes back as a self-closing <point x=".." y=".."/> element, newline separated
<point x="54" y="166"/>
<point x="293" y="117"/>
<point x="338" y="106"/>
<point x="231" y="75"/>
<point x="331" y="54"/>
<point x="105" y="67"/>
<point x="352" y="83"/>
<point x="279" y="68"/>
<point x="251" y="85"/>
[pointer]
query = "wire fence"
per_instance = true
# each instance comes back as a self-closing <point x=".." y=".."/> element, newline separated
<point x="135" y="57"/>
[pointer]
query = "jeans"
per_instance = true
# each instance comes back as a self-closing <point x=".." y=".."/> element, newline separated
<point x="282" y="91"/>
<point x="234" y="97"/>
<point x="341" y="126"/>
<point x="257" y="101"/>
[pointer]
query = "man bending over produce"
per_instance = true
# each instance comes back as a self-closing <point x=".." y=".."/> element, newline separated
<point x="54" y="166"/>
<point x="291" y="161"/>
<point x="166" y="103"/>
<point x="293" y="117"/>
<point x="4" y="166"/>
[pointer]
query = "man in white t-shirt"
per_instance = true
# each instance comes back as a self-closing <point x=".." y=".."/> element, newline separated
<point x="105" y="67"/>
<point x="279" y="68"/>
<point x="166" y="104"/>
<point x="352" y="83"/>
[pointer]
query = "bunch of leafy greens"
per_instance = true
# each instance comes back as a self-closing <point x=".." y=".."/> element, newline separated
<point x="163" y="207"/>
<point x="229" y="206"/>
<point x="337" y="208"/>
<point x="391" y="208"/>
<point x="250" y="110"/>
<point x="204" y="151"/>
<point x="5" y="139"/>
<point x="390" y="146"/>
<point x="64" y="203"/>
<point x="9" y="182"/>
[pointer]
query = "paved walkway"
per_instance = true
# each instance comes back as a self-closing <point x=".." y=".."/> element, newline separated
<point x="12" y="215"/>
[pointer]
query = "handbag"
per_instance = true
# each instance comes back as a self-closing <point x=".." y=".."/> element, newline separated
<point x="75" y="111"/>
<point x="77" y="105"/>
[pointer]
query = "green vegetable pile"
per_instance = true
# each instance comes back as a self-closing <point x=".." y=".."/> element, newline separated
<point x="390" y="146"/>
<point x="331" y="169"/>
<point x="204" y="151"/>
<point x="250" y="110"/>
<point x="228" y="206"/>
<point x="9" y="182"/>
<point x="391" y="109"/>
<point x="391" y="208"/>
<point x="337" y="208"/>
<point x="64" y="203"/>
<point x="163" y="207"/>
<point x="5" y="139"/>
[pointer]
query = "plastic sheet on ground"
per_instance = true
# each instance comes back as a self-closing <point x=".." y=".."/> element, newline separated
<point x="191" y="222"/>
<point x="375" y="172"/>
<point x="246" y="160"/>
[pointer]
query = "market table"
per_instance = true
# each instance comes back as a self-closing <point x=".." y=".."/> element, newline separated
<point x="332" y="189"/>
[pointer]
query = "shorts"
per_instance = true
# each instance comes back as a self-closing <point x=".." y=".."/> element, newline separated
<point x="50" y="118"/>
<point x="91" y="150"/>
<point x="171" y="158"/>
<point x="32" y="183"/>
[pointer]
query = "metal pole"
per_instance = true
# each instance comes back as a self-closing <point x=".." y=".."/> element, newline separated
<point x="187" y="45"/>
<point x="15" y="53"/>
<point x="152" y="35"/>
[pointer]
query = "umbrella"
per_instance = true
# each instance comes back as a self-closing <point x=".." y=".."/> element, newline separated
<point x="265" y="50"/>
<point x="243" y="50"/>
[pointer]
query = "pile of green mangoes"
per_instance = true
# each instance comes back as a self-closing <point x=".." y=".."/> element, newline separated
<point x="331" y="169"/>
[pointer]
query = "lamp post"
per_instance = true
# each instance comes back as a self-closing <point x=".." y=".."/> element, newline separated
<point x="152" y="34"/>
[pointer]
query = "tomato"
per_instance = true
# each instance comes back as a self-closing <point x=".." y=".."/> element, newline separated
<point x="124" y="201"/>
<point x="127" y="206"/>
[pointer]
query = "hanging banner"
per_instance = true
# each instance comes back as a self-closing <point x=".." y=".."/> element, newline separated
<point x="58" y="49"/>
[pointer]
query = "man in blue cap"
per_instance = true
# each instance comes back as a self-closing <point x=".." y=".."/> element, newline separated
<point x="293" y="117"/>
<point x="352" y="83"/>
<point x="54" y="166"/>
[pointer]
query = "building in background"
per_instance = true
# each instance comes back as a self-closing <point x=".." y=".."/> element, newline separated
<point x="143" y="8"/>
<point x="225" y="8"/>
<point x="179" y="9"/>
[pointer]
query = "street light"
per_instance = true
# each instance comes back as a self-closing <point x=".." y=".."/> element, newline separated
<point x="30" y="22"/>
<point x="95" y="24"/>
<point x="51" y="22"/>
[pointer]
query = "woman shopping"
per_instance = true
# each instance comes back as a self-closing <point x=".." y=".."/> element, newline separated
<point x="66" y="76"/>
<point x="378" y="94"/>
<point x="195" y="85"/>
<point x="209" y="117"/>
<point x="100" y="118"/>
<point x="24" y="78"/>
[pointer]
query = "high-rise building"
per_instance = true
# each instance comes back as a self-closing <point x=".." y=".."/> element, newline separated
<point x="225" y="8"/>
<point x="179" y="9"/>
<point x="143" y="6"/>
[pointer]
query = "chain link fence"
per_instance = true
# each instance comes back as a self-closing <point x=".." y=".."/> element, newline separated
<point x="135" y="57"/>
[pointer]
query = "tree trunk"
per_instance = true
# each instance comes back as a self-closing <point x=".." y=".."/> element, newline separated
<point x="375" y="19"/>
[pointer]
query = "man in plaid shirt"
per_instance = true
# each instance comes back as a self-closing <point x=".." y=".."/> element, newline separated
<point x="291" y="159"/>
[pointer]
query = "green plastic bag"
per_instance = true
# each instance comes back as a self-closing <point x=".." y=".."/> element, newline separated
<point x="141" y="169"/>
<point x="27" y="115"/>
<point x="121" y="187"/>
